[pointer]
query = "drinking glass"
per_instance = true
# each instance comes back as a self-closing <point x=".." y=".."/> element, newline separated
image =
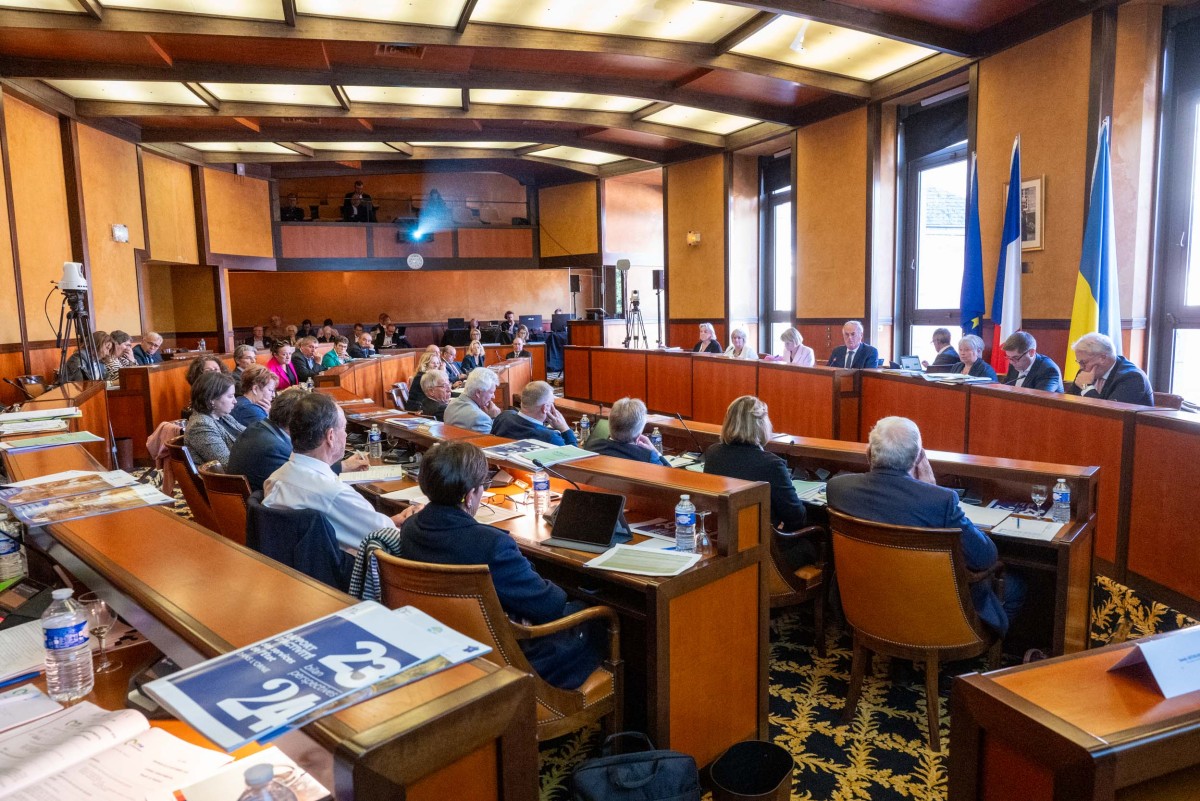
<point x="1038" y="495"/>
<point x="703" y="543"/>
<point x="101" y="619"/>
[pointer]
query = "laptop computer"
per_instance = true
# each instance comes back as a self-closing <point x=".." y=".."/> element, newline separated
<point x="910" y="363"/>
<point x="531" y="321"/>
<point x="558" y="322"/>
<point x="589" y="521"/>
<point x="456" y="323"/>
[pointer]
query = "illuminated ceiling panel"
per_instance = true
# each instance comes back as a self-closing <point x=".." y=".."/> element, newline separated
<point x="241" y="147"/>
<point x="579" y="100"/>
<point x="175" y="94"/>
<point x="365" y="147"/>
<point x="43" y="5"/>
<point x="404" y="95"/>
<point x="578" y="154"/>
<point x="679" y="20"/>
<point x="245" y="9"/>
<point x="815" y="45"/>
<point x="700" y="119"/>
<point x="442" y="13"/>
<point x="283" y="94"/>
<point x="476" y="145"/>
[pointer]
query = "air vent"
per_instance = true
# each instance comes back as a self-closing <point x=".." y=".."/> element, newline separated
<point x="399" y="51"/>
<point x="313" y="121"/>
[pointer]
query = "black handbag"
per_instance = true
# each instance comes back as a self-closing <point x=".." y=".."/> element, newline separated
<point x="646" y="775"/>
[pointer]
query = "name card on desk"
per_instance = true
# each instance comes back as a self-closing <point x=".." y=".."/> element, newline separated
<point x="1174" y="661"/>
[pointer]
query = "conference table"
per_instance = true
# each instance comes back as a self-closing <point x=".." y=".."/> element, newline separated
<point x="465" y="732"/>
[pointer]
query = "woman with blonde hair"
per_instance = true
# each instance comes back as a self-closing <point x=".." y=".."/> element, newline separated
<point x="742" y="453"/>
<point x="475" y="357"/>
<point x="708" y="340"/>
<point x="738" y="347"/>
<point x="430" y="360"/>
<point x="794" y="350"/>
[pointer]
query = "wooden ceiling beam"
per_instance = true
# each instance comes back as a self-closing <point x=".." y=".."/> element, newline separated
<point x="366" y="124"/>
<point x="343" y="99"/>
<point x="649" y="111"/>
<point x="289" y="13"/>
<point x="587" y="169"/>
<point x="1045" y="16"/>
<point x="248" y="124"/>
<point x="297" y="148"/>
<point x="92" y="8"/>
<point x="475" y="35"/>
<point x="207" y="97"/>
<point x="160" y="50"/>
<point x="403" y="148"/>
<point x="754" y="134"/>
<point x="464" y="18"/>
<point x="743" y="32"/>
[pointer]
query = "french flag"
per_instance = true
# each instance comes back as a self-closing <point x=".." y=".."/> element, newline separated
<point x="1006" y="301"/>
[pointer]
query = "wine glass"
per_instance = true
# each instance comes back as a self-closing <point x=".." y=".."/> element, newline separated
<point x="703" y="543"/>
<point x="1038" y="495"/>
<point x="101" y="619"/>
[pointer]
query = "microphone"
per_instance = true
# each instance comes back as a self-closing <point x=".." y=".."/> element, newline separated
<point x="538" y="464"/>
<point x="695" y="441"/>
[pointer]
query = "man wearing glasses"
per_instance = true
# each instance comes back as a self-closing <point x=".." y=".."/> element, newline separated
<point x="1027" y="368"/>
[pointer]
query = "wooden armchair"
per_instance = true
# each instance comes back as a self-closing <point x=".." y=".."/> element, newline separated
<point x="400" y="395"/>
<point x="1166" y="400"/>
<point x="183" y="466"/>
<point x="906" y="593"/>
<point x="462" y="597"/>
<point x="227" y="494"/>
<point x="790" y="587"/>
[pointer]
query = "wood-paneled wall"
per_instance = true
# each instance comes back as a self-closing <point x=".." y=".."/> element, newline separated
<point x="393" y="194"/>
<point x="170" y="210"/>
<point x="696" y="192"/>
<point x="569" y="219"/>
<point x="10" y="322"/>
<point x="238" y="210"/>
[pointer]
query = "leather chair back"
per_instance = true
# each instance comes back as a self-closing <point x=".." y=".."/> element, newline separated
<point x="184" y="468"/>
<point x="1166" y="400"/>
<point x="227" y="496"/>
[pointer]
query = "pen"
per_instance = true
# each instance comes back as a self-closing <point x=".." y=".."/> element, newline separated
<point x="19" y="679"/>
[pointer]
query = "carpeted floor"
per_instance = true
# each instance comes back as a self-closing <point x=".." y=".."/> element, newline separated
<point x="882" y="754"/>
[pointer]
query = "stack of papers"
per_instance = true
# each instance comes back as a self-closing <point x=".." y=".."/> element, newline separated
<point x="810" y="491"/>
<point x="50" y="441"/>
<point x="22" y="652"/>
<point x="75" y="494"/>
<point x="524" y="451"/>
<point x="379" y="472"/>
<point x="24" y="704"/>
<point x="33" y="427"/>
<point x="643" y="561"/>
<point x="985" y="518"/>
<point x="41" y="414"/>
<point x="1044" y="530"/>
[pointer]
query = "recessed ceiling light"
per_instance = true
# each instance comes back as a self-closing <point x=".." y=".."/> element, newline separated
<point x="245" y="9"/>
<point x="578" y="100"/>
<point x="168" y="92"/>
<point x="475" y="145"/>
<point x="815" y="45"/>
<point x="439" y="13"/>
<point x="278" y="94"/>
<point x="676" y="20"/>
<point x="579" y="154"/>
<point x="405" y="95"/>
<point x="240" y="147"/>
<point x="700" y="119"/>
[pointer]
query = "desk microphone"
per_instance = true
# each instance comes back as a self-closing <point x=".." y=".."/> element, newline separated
<point x="537" y="463"/>
<point x="695" y="441"/>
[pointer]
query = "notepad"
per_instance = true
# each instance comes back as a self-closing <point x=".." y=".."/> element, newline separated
<point x="810" y="491"/>
<point x="1044" y="530"/>
<point x="984" y="517"/>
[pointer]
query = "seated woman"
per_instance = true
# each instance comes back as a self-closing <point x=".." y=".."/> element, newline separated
<point x="518" y="350"/>
<point x="198" y="367"/>
<point x="211" y="429"/>
<point x="91" y="366"/>
<point x="257" y="393"/>
<point x="430" y="360"/>
<point x="291" y="334"/>
<point x="738" y="348"/>
<point x="741" y="454"/>
<point x="454" y="476"/>
<point x="794" y="350"/>
<point x="626" y="440"/>
<point x="338" y="354"/>
<point x="281" y="363"/>
<point x="708" y="340"/>
<point x="970" y="355"/>
<point x="122" y="355"/>
<point x="474" y="358"/>
<point x="328" y="334"/>
<point x="243" y="356"/>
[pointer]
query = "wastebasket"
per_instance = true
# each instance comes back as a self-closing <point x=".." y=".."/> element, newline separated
<point x="753" y="770"/>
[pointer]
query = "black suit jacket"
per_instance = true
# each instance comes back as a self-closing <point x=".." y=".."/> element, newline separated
<point x="980" y="369"/>
<point x="1125" y="384"/>
<point x="752" y="463"/>
<point x="946" y="357"/>
<point x="1043" y="374"/>
<point x="141" y="357"/>
<point x="357" y="352"/>
<point x="713" y="346"/>
<point x="294" y="214"/>
<point x="259" y="451"/>
<point x="512" y="425"/>
<point x="865" y="356"/>
<point x="433" y="408"/>
<point x="396" y="340"/>
<point x="625" y="450"/>
<point x="305" y="367"/>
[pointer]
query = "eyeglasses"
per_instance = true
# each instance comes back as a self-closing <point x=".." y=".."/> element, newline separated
<point x="1018" y="357"/>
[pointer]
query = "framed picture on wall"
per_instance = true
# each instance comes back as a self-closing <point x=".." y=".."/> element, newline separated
<point x="1032" y="213"/>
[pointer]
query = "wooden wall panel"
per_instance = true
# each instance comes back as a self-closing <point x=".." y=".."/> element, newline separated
<point x="10" y="324"/>
<point x="670" y="391"/>
<point x="324" y="241"/>
<point x="577" y="373"/>
<point x="170" y="210"/>
<point x="685" y="334"/>
<point x="943" y="422"/>
<point x="495" y="243"/>
<point x="1051" y="117"/>
<point x="109" y="179"/>
<point x="194" y="299"/>
<point x="409" y="295"/>
<point x="569" y="219"/>
<point x="1165" y="483"/>
<point x="239" y="214"/>
<point x="39" y="196"/>
<point x="617" y="374"/>
<point x="12" y="364"/>
<point x="800" y="400"/>
<point x="157" y="298"/>
<point x="717" y="382"/>
<point x="393" y="194"/>
<point x="831" y="216"/>
<point x="387" y="245"/>
<point x="696" y="275"/>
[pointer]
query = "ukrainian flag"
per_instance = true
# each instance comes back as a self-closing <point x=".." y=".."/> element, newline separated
<point x="1097" y="306"/>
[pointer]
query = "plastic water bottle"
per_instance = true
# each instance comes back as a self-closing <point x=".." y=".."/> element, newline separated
<point x="308" y="385"/>
<point x="685" y="525"/>
<point x="262" y="786"/>
<point x="656" y="439"/>
<point x="375" y="444"/>
<point x="68" y="658"/>
<point x="541" y="492"/>
<point x="201" y="345"/>
<point x="1060" y="512"/>
<point x="12" y="563"/>
<point x="585" y="429"/>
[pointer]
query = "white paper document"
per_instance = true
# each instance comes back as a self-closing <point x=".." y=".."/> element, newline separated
<point x="984" y="517"/>
<point x="644" y="561"/>
<point x="381" y="472"/>
<point x="23" y="704"/>
<point x="21" y="651"/>
<point x="1174" y="661"/>
<point x="1044" y="530"/>
<point x="41" y="414"/>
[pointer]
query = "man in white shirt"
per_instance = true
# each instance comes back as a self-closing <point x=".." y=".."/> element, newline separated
<point x="475" y="407"/>
<point x="306" y="481"/>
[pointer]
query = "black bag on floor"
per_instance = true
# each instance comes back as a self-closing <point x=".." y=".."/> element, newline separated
<point x="647" y="775"/>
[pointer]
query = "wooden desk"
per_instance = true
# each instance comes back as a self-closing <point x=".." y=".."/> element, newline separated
<point x="91" y="398"/>
<point x="495" y="353"/>
<point x="1067" y="729"/>
<point x="467" y="731"/>
<point x="939" y="410"/>
<point x="585" y="332"/>
<point x="371" y="378"/>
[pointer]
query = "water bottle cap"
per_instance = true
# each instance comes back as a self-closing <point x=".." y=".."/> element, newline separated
<point x="259" y="775"/>
<point x="684" y="497"/>
<point x="62" y="594"/>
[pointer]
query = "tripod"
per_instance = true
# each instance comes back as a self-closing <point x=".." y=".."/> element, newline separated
<point x="658" y="299"/>
<point x="76" y="318"/>
<point x="635" y="327"/>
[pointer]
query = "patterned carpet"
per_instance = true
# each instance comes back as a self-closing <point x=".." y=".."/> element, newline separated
<point x="882" y="754"/>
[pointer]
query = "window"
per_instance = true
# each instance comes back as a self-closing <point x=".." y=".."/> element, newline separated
<point x="778" y="304"/>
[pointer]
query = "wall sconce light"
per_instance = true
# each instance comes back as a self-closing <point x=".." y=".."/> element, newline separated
<point x="693" y="238"/>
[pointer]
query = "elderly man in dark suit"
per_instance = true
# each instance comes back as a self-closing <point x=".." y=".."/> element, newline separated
<point x="1105" y="375"/>
<point x="1026" y="367"/>
<point x="538" y="419"/>
<point x="901" y="490"/>
<point x="947" y="356"/>
<point x="855" y="353"/>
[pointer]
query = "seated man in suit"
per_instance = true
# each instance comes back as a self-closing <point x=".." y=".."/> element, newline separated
<point x="436" y="386"/>
<point x="855" y="353"/>
<point x="518" y="350"/>
<point x="626" y="422"/>
<point x="389" y="337"/>
<point x="306" y="481"/>
<point x="475" y="406"/>
<point x="304" y="360"/>
<point x="265" y="446"/>
<point x="1105" y="375"/>
<point x="289" y="211"/>
<point x="900" y="489"/>
<point x="147" y="352"/>
<point x="946" y="354"/>
<point x="258" y="339"/>
<point x="361" y="348"/>
<point x="538" y="419"/>
<point x="1026" y="367"/>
